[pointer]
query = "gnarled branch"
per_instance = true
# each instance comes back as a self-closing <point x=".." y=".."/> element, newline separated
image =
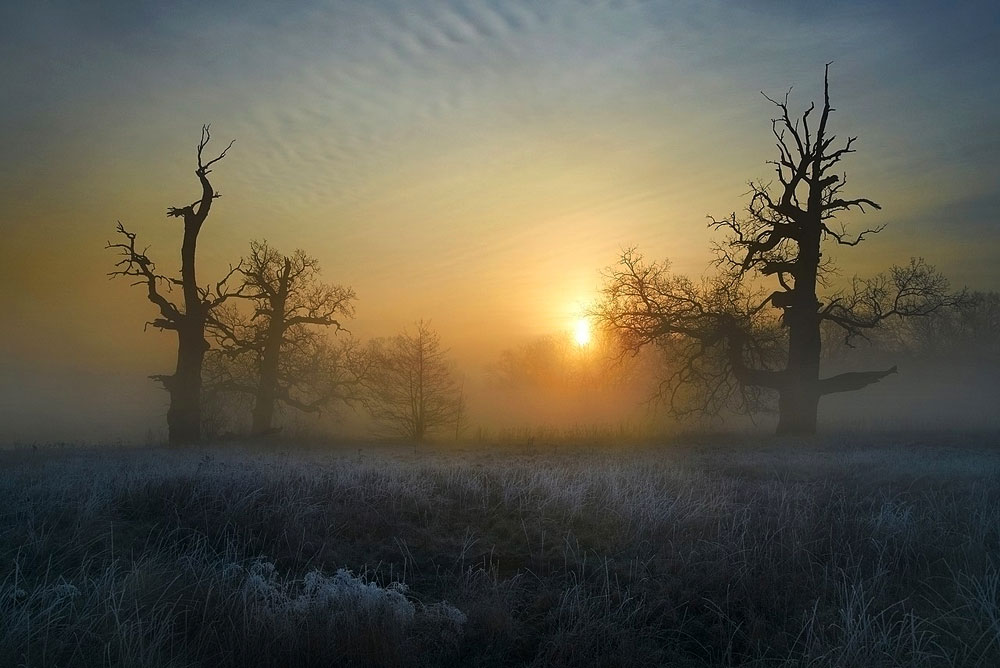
<point x="134" y="263"/>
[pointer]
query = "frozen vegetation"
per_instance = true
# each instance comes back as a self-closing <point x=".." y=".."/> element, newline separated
<point x="838" y="552"/>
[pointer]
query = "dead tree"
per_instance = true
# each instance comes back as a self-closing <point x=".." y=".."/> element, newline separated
<point x="189" y="318"/>
<point x="779" y="238"/>
<point x="292" y="364"/>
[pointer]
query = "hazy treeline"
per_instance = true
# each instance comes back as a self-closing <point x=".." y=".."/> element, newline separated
<point x="285" y="342"/>
<point x="765" y="334"/>
<point x="949" y="364"/>
<point x="330" y="384"/>
<point x="547" y="386"/>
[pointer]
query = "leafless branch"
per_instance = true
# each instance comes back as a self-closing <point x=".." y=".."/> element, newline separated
<point x="134" y="263"/>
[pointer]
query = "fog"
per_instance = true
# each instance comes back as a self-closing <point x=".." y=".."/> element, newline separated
<point x="543" y="388"/>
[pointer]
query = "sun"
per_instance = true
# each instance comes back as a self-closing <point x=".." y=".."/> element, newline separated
<point x="581" y="332"/>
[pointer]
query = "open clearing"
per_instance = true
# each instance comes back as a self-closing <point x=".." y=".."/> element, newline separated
<point x="845" y="551"/>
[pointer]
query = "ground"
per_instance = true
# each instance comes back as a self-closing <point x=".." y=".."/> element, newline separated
<point x="849" y="550"/>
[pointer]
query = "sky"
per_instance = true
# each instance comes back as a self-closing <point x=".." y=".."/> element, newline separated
<point x="472" y="163"/>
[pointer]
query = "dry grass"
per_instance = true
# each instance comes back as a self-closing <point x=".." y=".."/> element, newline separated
<point x="834" y="553"/>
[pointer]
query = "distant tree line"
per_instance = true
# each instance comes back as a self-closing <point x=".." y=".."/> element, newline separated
<point x="966" y="333"/>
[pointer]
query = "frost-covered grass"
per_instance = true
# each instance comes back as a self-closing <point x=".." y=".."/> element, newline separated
<point x="830" y="553"/>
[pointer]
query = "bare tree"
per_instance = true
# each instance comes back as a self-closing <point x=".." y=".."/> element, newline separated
<point x="728" y="341"/>
<point x="961" y="336"/>
<point x="969" y="332"/>
<point x="290" y="361"/>
<point x="716" y="337"/>
<point x="412" y="389"/>
<point x="188" y="319"/>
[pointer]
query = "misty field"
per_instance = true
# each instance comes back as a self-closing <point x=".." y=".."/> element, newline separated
<point x="834" y="552"/>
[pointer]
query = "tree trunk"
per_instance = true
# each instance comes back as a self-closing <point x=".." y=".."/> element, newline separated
<point x="263" y="407"/>
<point x="184" y="413"/>
<point x="267" y="387"/>
<point x="797" y="412"/>
<point x="263" y="412"/>
<point x="798" y="402"/>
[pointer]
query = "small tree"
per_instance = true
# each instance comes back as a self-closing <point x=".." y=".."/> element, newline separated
<point x="289" y="360"/>
<point x="413" y="391"/>
<point x="188" y="319"/>
<point x="726" y="339"/>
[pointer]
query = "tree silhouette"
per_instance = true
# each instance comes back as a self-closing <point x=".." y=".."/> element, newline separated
<point x="721" y="329"/>
<point x="412" y="389"/>
<point x="189" y="319"/>
<point x="289" y="361"/>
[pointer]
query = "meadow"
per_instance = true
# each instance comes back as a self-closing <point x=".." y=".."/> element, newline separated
<point x="847" y="550"/>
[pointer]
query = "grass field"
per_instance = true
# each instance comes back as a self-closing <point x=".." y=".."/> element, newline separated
<point x="846" y="551"/>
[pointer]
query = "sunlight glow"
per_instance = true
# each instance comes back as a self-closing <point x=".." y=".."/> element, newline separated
<point x="581" y="332"/>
